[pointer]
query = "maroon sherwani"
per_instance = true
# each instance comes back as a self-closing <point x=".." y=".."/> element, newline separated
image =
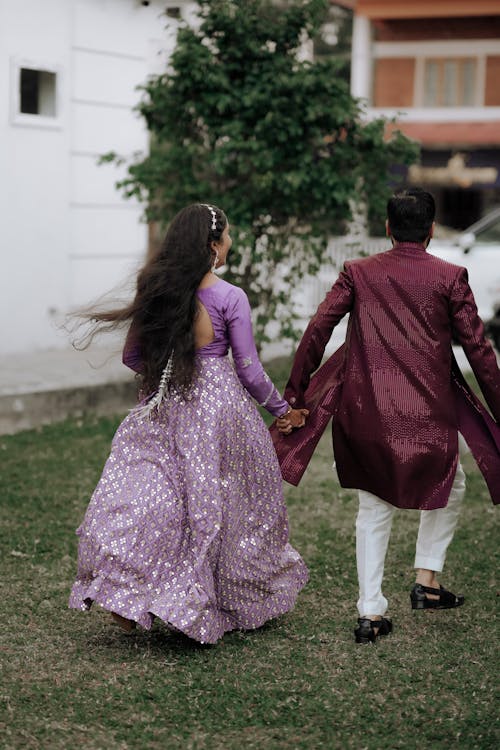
<point x="397" y="397"/>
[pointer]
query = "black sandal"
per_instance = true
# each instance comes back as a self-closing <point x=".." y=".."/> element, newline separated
<point x="446" y="600"/>
<point x="369" y="630"/>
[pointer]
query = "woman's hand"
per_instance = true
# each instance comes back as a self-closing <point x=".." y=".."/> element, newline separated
<point x="293" y="419"/>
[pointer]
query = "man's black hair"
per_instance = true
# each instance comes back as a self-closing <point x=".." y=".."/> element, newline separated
<point x="410" y="214"/>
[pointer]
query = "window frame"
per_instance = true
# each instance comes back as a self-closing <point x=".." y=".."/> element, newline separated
<point x="459" y="61"/>
<point x="32" y="120"/>
<point x="422" y="50"/>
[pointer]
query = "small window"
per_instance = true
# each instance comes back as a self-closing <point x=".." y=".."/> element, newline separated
<point x="450" y="82"/>
<point x="174" y="12"/>
<point x="37" y="92"/>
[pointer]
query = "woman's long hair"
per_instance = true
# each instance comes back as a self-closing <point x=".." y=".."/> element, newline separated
<point x="164" y="309"/>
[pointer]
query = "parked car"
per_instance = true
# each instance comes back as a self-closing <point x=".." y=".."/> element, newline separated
<point x="478" y="249"/>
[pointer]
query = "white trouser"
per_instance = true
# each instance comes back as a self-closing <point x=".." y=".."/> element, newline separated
<point x="373" y="529"/>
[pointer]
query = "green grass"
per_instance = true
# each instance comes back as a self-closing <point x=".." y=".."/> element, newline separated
<point x="72" y="679"/>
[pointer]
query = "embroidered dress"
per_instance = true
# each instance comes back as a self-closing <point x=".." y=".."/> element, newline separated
<point x="188" y="521"/>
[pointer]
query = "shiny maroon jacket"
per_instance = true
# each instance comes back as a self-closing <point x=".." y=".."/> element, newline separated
<point x="394" y="390"/>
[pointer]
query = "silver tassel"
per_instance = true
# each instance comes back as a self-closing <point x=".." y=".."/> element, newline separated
<point x="141" y="412"/>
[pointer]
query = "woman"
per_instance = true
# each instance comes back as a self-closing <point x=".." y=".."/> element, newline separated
<point x="188" y="521"/>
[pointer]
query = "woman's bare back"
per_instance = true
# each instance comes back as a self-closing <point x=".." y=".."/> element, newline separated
<point x="203" y="328"/>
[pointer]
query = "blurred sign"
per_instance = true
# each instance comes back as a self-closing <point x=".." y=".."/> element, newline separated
<point x="455" y="174"/>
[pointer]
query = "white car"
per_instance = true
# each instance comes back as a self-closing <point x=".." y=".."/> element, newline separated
<point x="478" y="249"/>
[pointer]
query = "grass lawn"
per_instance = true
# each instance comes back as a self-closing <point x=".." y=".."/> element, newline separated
<point x="71" y="679"/>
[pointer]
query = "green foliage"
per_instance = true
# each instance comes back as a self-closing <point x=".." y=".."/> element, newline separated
<point x="240" y="120"/>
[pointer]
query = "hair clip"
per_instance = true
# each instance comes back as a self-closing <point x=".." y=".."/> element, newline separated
<point x="214" y="216"/>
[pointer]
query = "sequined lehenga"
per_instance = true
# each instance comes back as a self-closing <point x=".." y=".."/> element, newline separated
<point x="188" y="522"/>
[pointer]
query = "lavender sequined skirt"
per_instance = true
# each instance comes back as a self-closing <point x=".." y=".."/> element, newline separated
<point x="188" y="521"/>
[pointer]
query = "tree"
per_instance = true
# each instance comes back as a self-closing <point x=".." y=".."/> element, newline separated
<point x="240" y="120"/>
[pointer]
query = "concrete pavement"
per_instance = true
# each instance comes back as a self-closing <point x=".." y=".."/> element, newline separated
<point x="47" y="386"/>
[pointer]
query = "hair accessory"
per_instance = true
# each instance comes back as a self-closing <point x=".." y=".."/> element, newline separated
<point x="214" y="216"/>
<point x="146" y="410"/>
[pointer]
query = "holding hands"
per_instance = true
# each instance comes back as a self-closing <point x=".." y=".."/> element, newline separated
<point x="293" y="419"/>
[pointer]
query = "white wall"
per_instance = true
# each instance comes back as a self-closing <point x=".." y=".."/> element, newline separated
<point x="66" y="234"/>
<point x="34" y="180"/>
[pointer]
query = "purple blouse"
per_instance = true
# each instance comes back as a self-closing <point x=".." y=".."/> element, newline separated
<point x="229" y="312"/>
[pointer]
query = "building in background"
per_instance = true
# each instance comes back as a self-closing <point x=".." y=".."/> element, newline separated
<point x="435" y="65"/>
<point x="69" y="74"/>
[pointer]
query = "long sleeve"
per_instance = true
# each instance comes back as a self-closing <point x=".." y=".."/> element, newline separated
<point x="469" y="330"/>
<point x="131" y="356"/>
<point x="246" y="360"/>
<point x="337" y="303"/>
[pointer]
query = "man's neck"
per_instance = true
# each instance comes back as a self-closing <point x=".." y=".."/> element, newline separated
<point x="413" y="243"/>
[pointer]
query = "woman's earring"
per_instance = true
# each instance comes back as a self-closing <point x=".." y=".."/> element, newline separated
<point x="214" y="264"/>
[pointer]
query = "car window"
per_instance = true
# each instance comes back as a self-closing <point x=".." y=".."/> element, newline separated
<point x="489" y="234"/>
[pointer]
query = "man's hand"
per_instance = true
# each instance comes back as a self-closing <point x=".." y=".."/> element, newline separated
<point x="294" y="419"/>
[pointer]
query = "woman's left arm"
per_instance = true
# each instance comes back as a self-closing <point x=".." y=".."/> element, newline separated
<point x="246" y="359"/>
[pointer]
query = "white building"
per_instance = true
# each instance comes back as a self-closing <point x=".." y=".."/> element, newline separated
<point x="69" y="71"/>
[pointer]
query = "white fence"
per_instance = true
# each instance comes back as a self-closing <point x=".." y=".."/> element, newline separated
<point x="313" y="289"/>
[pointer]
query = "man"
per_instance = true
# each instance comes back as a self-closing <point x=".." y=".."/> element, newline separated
<point x="398" y="402"/>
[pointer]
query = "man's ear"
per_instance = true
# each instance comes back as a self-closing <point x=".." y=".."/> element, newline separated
<point x="431" y="230"/>
<point x="387" y="228"/>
